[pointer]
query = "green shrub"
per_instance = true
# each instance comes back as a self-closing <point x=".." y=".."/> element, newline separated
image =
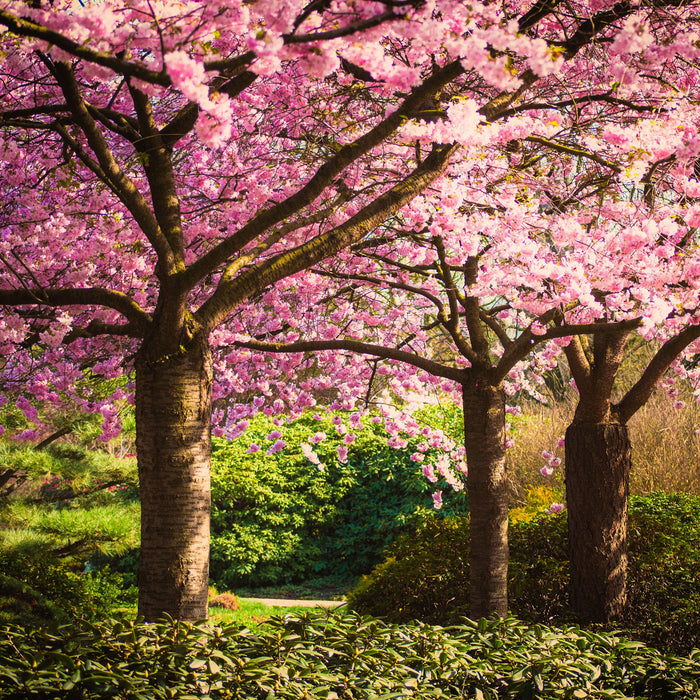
<point x="279" y="518"/>
<point x="425" y="575"/>
<point x="38" y="588"/>
<point x="22" y="604"/>
<point x="325" y="655"/>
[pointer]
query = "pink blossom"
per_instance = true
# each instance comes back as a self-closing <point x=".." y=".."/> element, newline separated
<point x="187" y="75"/>
<point x="276" y="447"/>
<point x="29" y="411"/>
<point x="546" y="471"/>
<point x="355" y="421"/>
<point x="274" y="435"/>
<point x="429" y="473"/>
<point x="342" y="453"/>
<point x="309" y="453"/>
<point x="437" y="500"/>
<point x="253" y="448"/>
<point x="318" y="437"/>
<point x="555" y="508"/>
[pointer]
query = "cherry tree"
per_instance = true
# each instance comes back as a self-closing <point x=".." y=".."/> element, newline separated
<point x="163" y="164"/>
<point x="470" y="277"/>
<point x="651" y="254"/>
<point x="454" y="306"/>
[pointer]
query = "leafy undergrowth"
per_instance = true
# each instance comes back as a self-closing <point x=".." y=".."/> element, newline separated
<point x="336" y="656"/>
<point x="425" y="576"/>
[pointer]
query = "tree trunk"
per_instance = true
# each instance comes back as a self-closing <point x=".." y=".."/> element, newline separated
<point x="598" y="462"/>
<point x="484" y="441"/>
<point x="173" y="441"/>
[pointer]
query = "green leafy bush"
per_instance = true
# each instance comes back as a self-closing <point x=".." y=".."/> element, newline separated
<point x="336" y="656"/>
<point x="425" y="575"/>
<point x="20" y="603"/>
<point x="278" y="518"/>
<point x="36" y="588"/>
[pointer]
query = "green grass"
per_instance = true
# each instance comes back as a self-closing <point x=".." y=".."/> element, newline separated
<point x="251" y="614"/>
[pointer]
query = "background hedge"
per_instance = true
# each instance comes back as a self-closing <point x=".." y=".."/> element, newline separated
<point x="425" y="574"/>
<point x="278" y="518"/>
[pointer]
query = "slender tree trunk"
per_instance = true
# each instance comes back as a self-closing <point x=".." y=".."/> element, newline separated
<point x="484" y="441"/>
<point x="598" y="462"/>
<point x="173" y="422"/>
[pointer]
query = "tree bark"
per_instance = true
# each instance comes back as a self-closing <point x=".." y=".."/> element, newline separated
<point x="598" y="462"/>
<point x="484" y="441"/>
<point x="173" y="424"/>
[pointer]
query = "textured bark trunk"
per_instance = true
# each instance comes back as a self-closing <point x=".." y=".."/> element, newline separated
<point x="173" y="417"/>
<point x="598" y="461"/>
<point x="484" y="441"/>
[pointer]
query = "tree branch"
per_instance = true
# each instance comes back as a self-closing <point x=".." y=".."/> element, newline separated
<point x="379" y="282"/>
<point x="232" y="292"/>
<point x="451" y="322"/>
<point x="113" y="176"/>
<point x="25" y="27"/>
<point x="638" y="395"/>
<point x="578" y="152"/>
<point x="89" y="296"/>
<point x="520" y="348"/>
<point x="323" y="177"/>
<point x="434" y="368"/>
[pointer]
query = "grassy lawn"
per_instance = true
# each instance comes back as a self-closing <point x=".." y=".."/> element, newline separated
<point x="250" y="614"/>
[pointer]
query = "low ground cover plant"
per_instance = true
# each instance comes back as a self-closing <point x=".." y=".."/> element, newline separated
<point x="336" y="656"/>
<point x="425" y="575"/>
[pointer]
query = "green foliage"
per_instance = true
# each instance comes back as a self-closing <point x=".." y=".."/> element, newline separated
<point x="76" y="503"/>
<point x="426" y="574"/>
<point x="664" y="559"/>
<point x="279" y="518"/>
<point x="63" y="470"/>
<point x="334" y="656"/>
<point x="20" y="603"/>
<point x="37" y="588"/>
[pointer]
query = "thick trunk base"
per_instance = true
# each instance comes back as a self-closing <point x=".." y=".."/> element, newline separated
<point x="598" y="462"/>
<point x="173" y="421"/>
<point x="484" y="441"/>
